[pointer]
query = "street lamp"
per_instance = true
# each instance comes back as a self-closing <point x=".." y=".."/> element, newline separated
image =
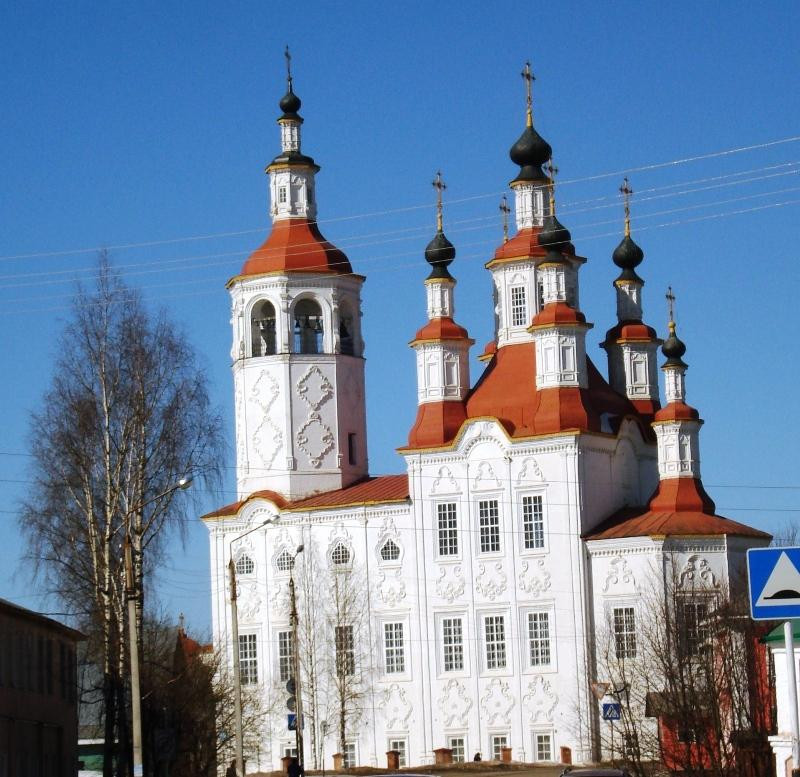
<point x="298" y="721"/>
<point x="237" y="681"/>
<point x="133" y="545"/>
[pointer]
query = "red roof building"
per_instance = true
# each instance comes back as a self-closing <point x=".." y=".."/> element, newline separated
<point x="538" y="504"/>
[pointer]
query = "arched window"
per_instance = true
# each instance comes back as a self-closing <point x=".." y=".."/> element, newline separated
<point x="262" y="329"/>
<point x="340" y="555"/>
<point x="285" y="562"/>
<point x="390" y="551"/>
<point x="245" y="566"/>
<point x="346" y="330"/>
<point x="308" y="329"/>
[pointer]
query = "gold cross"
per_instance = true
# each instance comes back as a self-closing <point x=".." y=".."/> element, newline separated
<point x="671" y="306"/>
<point x="505" y="210"/>
<point x="552" y="171"/>
<point x="288" y="67"/>
<point x="626" y="192"/>
<point x="440" y="186"/>
<point x="529" y="78"/>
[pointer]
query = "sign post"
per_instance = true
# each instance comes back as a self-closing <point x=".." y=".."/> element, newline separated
<point x="773" y="575"/>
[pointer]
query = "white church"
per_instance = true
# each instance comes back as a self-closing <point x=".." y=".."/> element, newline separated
<point x="455" y="605"/>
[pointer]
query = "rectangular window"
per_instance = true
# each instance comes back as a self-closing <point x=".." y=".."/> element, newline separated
<point x="351" y="448"/>
<point x="290" y="751"/>
<point x="489" y="524"/>
<point x="459" y="747"/>
<point x="394" y="648"/>
<point x="693" y="625"/>
<point x="625" y="632"/>
<point x="248" y="659"/>
<point x="345" y="651"/>
<point x="349" y="760"/>
<point x="519" y="307"/>
<point x="448" y="529"/>
<point x="282" y="194"/>
<point x="498" y="742"/>
<point x="544" y="747"/>
<point x="532" y="522"/>
<point x="402" y="748"/>
<point x="285" y="655"/>
<point x="495" y="635"/>
<point x="453" y="644"/>
<point x="539" y="638"/>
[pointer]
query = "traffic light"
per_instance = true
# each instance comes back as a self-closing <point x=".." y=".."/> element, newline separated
<point x="291" y="689"/>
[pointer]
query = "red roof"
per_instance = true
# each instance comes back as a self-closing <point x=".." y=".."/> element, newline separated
<point x="558" y="313"/>
<point x="372" y="490"/>
<point x="680" y="507"/>
<point x="437" y="423"/>
<point x="296" y="245"/>
<point x="633" y="523"/>
<point x="524" y="243"/>
<point x="489" y="350"/>
<point x="443" y="328"/>
<point x="677" y="411"/>
<point x="507" y="391"/>
<point x="631" y="330"/>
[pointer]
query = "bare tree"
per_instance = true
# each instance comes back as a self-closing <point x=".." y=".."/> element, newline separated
<point x="691" y="681"/>
<point x="126" y="416"/>
<point x="348" y="650"/>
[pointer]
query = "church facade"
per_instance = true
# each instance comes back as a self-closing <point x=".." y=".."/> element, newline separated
<point x="457" y="605"/>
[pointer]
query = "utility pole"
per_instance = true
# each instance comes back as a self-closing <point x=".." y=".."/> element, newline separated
<point x="136" y="698"/>
<point x="134" y="548"/>
<point x="237" y="678"/>
<point x="298" y="728"/>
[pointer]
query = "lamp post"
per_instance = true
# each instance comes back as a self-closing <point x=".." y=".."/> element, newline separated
<point x="298" y="721"/>
<point x="237" y="678"/>
<point x="133" y="545"/>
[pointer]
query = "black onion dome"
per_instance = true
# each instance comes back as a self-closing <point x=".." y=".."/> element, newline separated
<point x="554" y="236"/>
<point x="627" y="255"/>
<point x="673" y="348"/>
<point x="530" y="152"/>
<point x="290" y="105"/>
<point x="439" y="253"/>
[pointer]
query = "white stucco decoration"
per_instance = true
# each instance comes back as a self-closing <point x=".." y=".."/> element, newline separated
<point x="454" y="704"/>
<point x="534" y="578"/>
<point x="540" y="700"/>
<point x="697" y="573"/>
<point x="491" y="580"/>
<point x="497" y="703"/>
<point x="450" y="585"/>
<point x="619" y="574"/>
<point x="397" y="708"/>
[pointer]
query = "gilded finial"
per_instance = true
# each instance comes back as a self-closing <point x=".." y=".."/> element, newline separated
<point x="626" y="192"/>
<point x="552" y="172"/>
<point x="440" y="186"/>
<point x="671" y="307"/>
<point x="288" y="67"/>
<point x="529" y="78"/>
<point x="505" y="210"/>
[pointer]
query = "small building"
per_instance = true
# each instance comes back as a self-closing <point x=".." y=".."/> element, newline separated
<point x="38" y="694"/>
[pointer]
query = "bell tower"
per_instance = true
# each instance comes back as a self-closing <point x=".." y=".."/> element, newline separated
<point x="298" y="364"/>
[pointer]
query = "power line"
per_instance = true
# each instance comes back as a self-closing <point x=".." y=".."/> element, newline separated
<point x="390" y="211"/>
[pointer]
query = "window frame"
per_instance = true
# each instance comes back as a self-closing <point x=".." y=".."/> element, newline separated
<point x="396" y="650"/>
<point x="496" y="530"/>
<point x="533" y="549"/>
<point x="499" y="649"/>
<point x="284" y="662"/>
<point x="248" y="664"/>
<point x="529" y="667"/>
<point x="390" y="561"/>
<point x="345" y="650"/>
<point x="495" y="735"/>
<point x="518" y="310"/>
<point x="692" y="647"/>
<point x="464" y="748"/>
<point x="450" y="534"/>
<point x="344" y="563"/>
<point x="391" y="741"/>
<point x="542" y="732"/>
<point x="279" y="570"/>
<point x="244" y="559"/>
<point x="459" y="647"/>
<point x="623" y="649"/>
<point x="350" y="751"/>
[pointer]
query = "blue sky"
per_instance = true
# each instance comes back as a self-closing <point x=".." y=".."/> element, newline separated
<point x="151" y="123"/>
